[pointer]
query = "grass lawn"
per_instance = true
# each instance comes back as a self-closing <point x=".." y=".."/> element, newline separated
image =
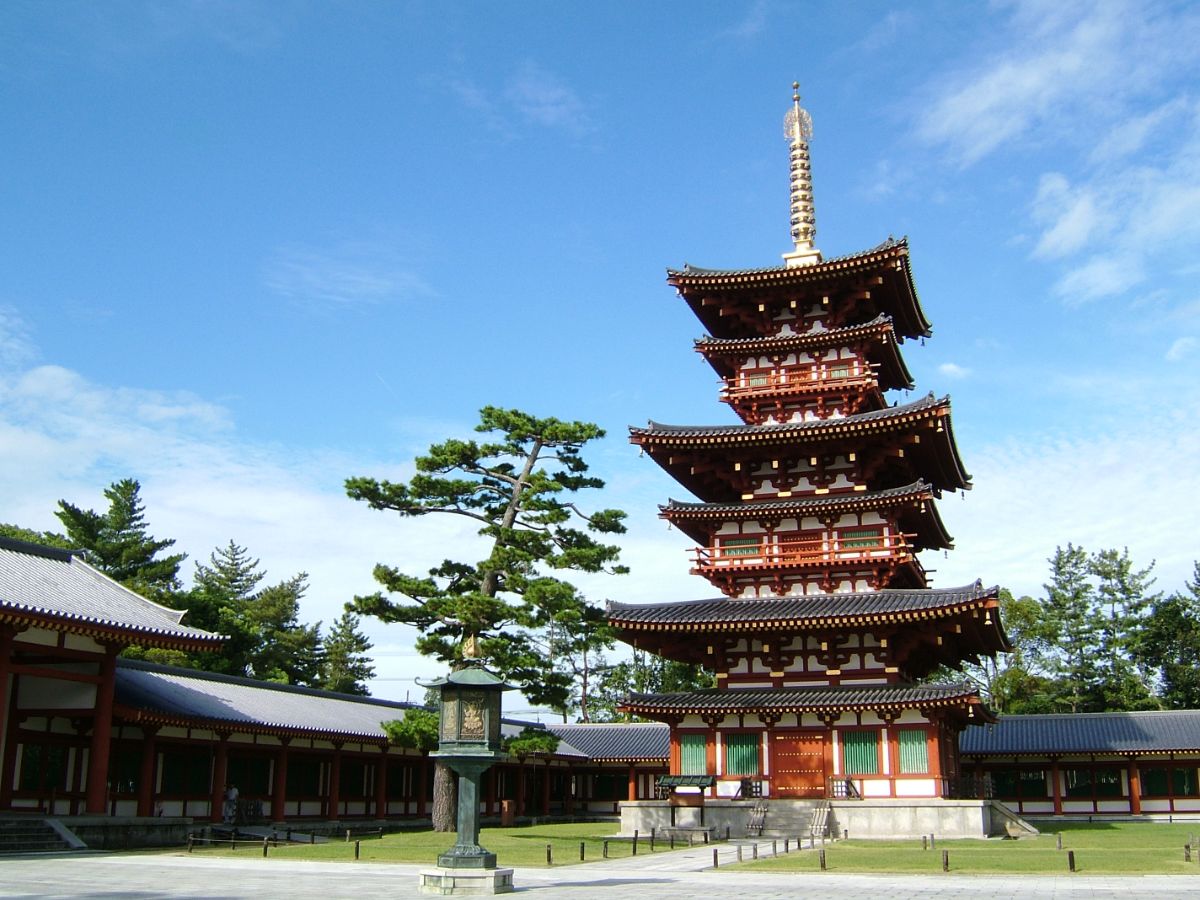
<point x="1116" y="848"/>
<point x="522" y="846"/>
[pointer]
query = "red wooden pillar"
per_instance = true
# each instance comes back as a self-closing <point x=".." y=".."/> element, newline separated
<point x="521" y="789"/>
<point x="1135" y="787"/>
<point x="335" y="782"/>
<point x="546" y="789"/>
<point x="149" y="769"/>
<point x="631" y="789"/>
<point x="216" y="802"/>
<point x="1056" y="786"/>
<point x="97" y="777"/>
<point x="381" y="784"/>
<point x="8" y="737"/>
<point x="279" y="785"/>
<point x="422" y="784"/>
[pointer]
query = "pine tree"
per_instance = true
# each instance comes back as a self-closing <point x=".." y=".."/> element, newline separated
<point x="1071" y="626"/>
<point x="118" y="543"/>
<point x="345" y="665"/>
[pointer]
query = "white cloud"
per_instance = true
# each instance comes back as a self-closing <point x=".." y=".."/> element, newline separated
<point x="347" y="273"/>
<point x="543" y="98"/>
<point x="1100" y="276"/>
<point x="1059" y="72"/>
<point x="16" y="345"/>
<point x="1101" y="490"/>
<point x="953" y="370"/>
<point x="1182" y="348"/>
<point x="751" y="25"/>
<point x="1072" y="217"/>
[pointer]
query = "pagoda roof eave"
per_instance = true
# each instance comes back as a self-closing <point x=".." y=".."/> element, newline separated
<point x="723" y="353"/>
<point x="888" y="259"/>
<point x="667" y="444"/>
<point x="806" y="611"/>
<point x="691" y="518"/>
<point x="817" y="699"/>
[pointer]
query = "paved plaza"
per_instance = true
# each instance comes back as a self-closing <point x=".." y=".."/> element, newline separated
<point x="680" y="876"/>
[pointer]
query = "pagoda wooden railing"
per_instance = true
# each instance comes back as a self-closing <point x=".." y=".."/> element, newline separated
<point x="776" y="384"/>
<point x="822" y="551"/>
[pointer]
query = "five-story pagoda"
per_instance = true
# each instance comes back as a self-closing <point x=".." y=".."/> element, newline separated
<point x="810" y="517"/>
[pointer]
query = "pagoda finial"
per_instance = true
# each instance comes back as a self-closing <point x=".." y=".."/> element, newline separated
<point x="797" y="128"/>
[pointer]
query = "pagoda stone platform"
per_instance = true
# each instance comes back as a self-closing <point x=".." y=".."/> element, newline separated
<point x="871" y="818"/>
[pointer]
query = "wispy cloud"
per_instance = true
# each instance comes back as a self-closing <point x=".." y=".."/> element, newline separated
<point x="1182" y="348"/>
<point x="543" y="98"/>
<point x="16" y="344"/>
<point x="750" y="25"/>
<point x="953" y="370"/>
<point x="1060" y="68"/>
<point x="348" y="273"/>
<point x="531" y="96"/>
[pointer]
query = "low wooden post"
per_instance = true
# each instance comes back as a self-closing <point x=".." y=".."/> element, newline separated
<point x="549" y="855"/>
<point x="822" y="859"/>
<point x="1071" y="860"/>
<point x="357" y="845"/>
<point x="739" y="849"/>
<point x="635" y="840"/>
<point x="945" y="860"/>
<point x="714" y="857"/>
<point x="581" y="851"/>
<point x="754" y="851"/>
<point x="672" y="840"/>
<point x="652" y="836"/>
<point x="190" y="839"/>
<point x="312" y="838"/>
<point x="726" y="832"/>
<point x="691" y="839"/>
<point x="845" y="834"/>
<point x="924" y="842"/>
<point x="606" y="849"/>
<point x="266" y="843"/>
<point x="785" y="845"/>
<point x="1187" y="851"/>
<point x="774" y="847"/>
<point x="1058" y="843"/>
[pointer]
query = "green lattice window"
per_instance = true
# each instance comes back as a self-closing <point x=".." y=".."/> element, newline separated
<point x="862" y="539"/>
<point x="914" y="753"/>
<point x="741" y="753"/>
<point x="839" y="372"/>
<point x="740" y="546"/>
<point x="759" y="379"/>
<point x="860" y="752"/>
<point x="693" y="755"/>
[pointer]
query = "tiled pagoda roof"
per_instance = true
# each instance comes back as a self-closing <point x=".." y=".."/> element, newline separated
<point x="822" y="699"/>
<point x="893" y="372"/>
<point x="941" y="462"/>
<point x="1115" y="732"/>
<point x="56" y="589"/>
<point x="166" y="695"/>
<point x="806" y="612"/>
<point x="689" y="517"/>
<point x="616" y="742"/>
<point x="885" y="260"/>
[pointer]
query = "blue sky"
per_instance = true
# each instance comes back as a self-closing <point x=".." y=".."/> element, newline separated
<point x="250" y="249"/>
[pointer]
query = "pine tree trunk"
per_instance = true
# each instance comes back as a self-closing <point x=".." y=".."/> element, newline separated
<point x="445" y="799"/>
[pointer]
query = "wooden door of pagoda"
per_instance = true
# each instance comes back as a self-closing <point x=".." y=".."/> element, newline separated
<point x="798" y="765"/>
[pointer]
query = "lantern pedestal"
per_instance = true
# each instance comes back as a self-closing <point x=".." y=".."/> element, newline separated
<point x="469" y="743"/>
